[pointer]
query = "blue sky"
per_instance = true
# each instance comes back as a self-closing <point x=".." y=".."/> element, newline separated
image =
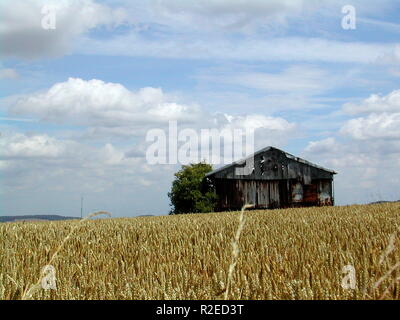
<point x="77" y="101"/>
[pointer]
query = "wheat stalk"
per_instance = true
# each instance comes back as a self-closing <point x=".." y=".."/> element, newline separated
<point x="235" y="250"/>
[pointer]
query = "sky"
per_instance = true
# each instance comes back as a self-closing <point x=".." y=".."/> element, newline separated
<point x="83" y="82"/>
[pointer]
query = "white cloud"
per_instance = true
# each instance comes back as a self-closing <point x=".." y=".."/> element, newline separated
<point x="295" y="79"/>
<point x="225" y="14"/>
<point x="367" y="171"/>
<point x="367" y="156"/>
<point x="42" y="147"/>
<point x="27" y="161"/>
<point x="268" y="131"/>
<point x="375" y="104"/>
<point x="325" y="146"/>
<point x="381" y="118"/>
<point x="20" y="146"/>
<point x="111" y="114"/>
<point x="110" y="109"/>
<point x="101" y="104"/>
<point x="209" y="30"/>
<point x="243" y="15"/>
<point x="38" y="146"/>
<point x="8" y="73"/>
<point x="259" y="122"/>
<point x="22" y="35"/>
<point x="375" y="126"/>
<point x="180" y="29"/>
<point x="255" y="48"/>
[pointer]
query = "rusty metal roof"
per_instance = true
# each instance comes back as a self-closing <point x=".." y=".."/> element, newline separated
<point x="288" y="155"/>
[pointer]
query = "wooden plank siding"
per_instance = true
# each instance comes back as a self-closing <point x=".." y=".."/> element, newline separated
<point x="233" y="194"/>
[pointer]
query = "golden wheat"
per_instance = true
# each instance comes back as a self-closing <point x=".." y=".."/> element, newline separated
<point x="282" y="254"/>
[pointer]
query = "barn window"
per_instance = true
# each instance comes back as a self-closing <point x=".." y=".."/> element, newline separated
<point x="262" y="167"/>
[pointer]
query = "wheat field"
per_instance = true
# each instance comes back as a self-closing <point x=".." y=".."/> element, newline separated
<point x="281" y="254"/>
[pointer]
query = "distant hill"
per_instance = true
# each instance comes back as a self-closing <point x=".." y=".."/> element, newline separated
<point x="381" y="202"/>
<point x="35" y="218"/>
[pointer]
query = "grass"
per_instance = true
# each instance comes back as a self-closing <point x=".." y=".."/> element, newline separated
<point x="281" y="254"/>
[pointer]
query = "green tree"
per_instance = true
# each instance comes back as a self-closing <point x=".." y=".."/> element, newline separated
<point x="190" y="192"/>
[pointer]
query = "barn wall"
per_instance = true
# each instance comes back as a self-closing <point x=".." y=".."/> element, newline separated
<point x="234" y="193"/>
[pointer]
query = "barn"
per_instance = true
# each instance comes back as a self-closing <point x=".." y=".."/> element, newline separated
<point x="272" y="178"/>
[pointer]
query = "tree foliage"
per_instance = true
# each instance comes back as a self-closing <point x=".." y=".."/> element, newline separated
<point x="190" y="192"/>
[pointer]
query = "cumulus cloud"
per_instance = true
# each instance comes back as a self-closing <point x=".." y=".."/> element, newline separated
<point x="366" y="150"/>
<point x="375" y="104"/>
<point x="65" y="168"/>
<point x="110" y="112"/>
<point x="374" y="126"/>
<point x="268" y="131"/>
<point x="27" y="160"/>
<point x="367" y="171"/>
<point x="22" y="34"/>
<point x="98" y="103"/>
<point x="112" y="115"/>
<point x="37" y="146"/>
<point x="324" y="146"/>
<point x="259" y="121"/>
<point x="380" y="120"/>
<point x="111" y="109"/>
<point x="20" y="146"/>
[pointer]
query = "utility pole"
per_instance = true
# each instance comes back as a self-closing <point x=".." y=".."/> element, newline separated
<point x="81" y="206"/>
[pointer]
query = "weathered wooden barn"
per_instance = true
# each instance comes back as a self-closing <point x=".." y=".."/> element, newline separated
<point x="272" y="178"/>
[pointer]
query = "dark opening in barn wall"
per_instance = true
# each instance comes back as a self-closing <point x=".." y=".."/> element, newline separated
<point x="277" y="180"/>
